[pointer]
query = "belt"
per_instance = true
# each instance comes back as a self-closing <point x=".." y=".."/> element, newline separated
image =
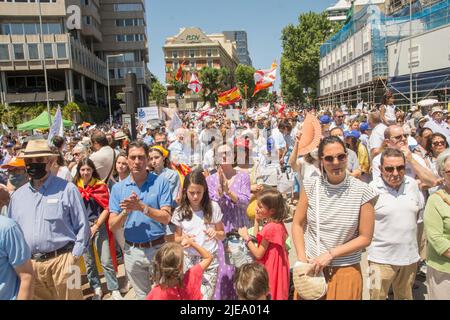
<point x="147" y="244"/>
<point x="39" y="257"/>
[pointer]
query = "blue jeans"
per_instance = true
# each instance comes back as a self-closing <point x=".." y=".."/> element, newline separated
<point x="101" y="243"/>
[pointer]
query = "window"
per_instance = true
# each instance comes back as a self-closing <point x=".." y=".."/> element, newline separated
<point x="192" y="53"/>
<point x="54" y="28"/>
<point x="48" y="52"/>
<point x="4" y="52"/>
<point x="33" y="51"/>
<point x="192" y="64"/>
<point x="30" y="28"/>
<point x="414" y="56"/>
<point x="128" y="56"/>
<point x="61" y="49"/>
<point x="120" y="38"/>
<point x="128" y="7"/>
<point x="5" y="28"/>
<point x="86" y="2"/>
<point x="129" y="37"/>
<point x="174" y="54"/>
<point x="87" y="20"/>
<point x="111" y="74"/>
<point x="210" y="63"/>
<point x="16" y="28"/>
<point x="209" y="52"/>
<point x="18" y="52"/>
<point x="128" y="22"/>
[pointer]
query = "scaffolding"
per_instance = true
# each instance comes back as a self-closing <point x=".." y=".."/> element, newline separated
<point x="384" y="30"/>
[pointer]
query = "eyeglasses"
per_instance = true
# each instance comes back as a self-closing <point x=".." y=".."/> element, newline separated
<point x="439" y="143"/>
<point x="340" y="157"/>
<point x="400" y="137"/>
<point x="391" y="169"/>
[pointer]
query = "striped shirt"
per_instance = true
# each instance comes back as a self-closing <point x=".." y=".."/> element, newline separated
<point x="339" y="216"/>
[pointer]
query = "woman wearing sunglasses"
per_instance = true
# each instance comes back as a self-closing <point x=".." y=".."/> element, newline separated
<point x="346" y="222"/>
<point x="436" y="144"/>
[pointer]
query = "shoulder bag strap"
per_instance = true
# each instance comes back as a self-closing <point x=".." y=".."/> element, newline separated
<point x="112" y="167"/>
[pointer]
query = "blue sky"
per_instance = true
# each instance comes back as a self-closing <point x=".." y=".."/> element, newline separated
<point x="262" y="19"/>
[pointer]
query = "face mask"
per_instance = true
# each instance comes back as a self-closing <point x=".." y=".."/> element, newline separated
<point x="36" y="170"/>
<point x="17" y="179"/>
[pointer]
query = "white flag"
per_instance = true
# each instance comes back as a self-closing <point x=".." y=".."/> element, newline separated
<point x="194" y="84"/>
<point x="57" y="128"/>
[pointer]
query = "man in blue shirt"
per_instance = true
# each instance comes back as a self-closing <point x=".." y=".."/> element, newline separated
<point x="53" y="218"/>
<point x="142" y="204"/>
<point x="16" y="270"/>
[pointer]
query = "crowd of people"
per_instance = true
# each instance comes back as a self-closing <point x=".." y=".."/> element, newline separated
<point x="173" y="205"/>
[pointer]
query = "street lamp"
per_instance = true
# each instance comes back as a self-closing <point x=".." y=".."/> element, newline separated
<point x="44" y="65"/>
<point x="109" y="89"/>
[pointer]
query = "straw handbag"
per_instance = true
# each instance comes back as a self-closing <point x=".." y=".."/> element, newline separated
<point x="308" y="285"/>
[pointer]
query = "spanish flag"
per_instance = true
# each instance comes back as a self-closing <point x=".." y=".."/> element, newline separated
<point x="229" y="97"/>
<point x="179" y="72"/>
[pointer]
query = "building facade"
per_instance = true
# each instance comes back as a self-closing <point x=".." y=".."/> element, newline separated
<point x="240" y="37"/>
<point x="353" y="64"/>
<point x="75" y="60"/>
<point x="420" y="64"/>
<point x="195" y="49"/>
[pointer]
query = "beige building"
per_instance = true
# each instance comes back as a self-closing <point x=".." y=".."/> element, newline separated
<point x="197" y="50"/>
<point x="75" y="59"/>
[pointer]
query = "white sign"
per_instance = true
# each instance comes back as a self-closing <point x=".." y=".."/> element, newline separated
<point x="146" y="114"/>
<point x="232" y="114"/>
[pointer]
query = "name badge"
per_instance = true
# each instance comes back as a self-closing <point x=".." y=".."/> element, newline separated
<point x="52" y="201"/>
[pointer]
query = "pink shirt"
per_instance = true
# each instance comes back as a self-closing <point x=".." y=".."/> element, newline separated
<point x="189" y="291"/>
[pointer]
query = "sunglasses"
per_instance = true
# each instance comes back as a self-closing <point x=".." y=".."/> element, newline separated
<point x="161" y="142"/>
<point x="339" y="116"/>
<point x="439" y="143"/>
<point x="400" y="137"/>
<point x="340" y="157"/>
<point x="76" y="154"/>
<point x="391" y="169"/>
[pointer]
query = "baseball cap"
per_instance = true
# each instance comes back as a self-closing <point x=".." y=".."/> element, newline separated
<point x="364" y="126"/>
<point x="325" y="119"/>
<point x="353" y="133"/>
<point x="14" y="163"/>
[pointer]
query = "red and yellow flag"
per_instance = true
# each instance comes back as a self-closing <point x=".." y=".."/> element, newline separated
<point x="264" y="78"/>
<point x="229" y="97"/>
<point x="179" y="72"/>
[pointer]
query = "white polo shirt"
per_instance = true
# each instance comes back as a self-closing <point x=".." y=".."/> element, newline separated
<point x="394" y="239"/>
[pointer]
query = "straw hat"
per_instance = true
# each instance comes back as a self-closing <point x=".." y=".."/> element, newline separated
<point x="311" y="133"/>
<point x="37" y="148"/>
<point x="119" y="135"/>
<point x="14" y="163"/>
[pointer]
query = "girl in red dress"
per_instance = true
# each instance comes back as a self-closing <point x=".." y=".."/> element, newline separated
<point x="271" y="250"/>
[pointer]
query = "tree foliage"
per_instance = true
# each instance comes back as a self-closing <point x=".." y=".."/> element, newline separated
<point x="301" y="54"/>
<point x="158" y="92"/>
<point x="244" y="76"/>
<point x="213" y="82"/>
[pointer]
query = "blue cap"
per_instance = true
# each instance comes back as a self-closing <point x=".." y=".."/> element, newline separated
<point x="354" y="133"/>
<point x="10" y="145"/>
<point x="325" y="119"/>
<point x="364" y="126"/>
